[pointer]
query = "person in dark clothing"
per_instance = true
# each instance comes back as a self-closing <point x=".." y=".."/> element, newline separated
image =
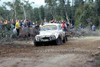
<point x="71" y="26"/>
<point x="64" y="26"/>
<point x="93" y="27"/>
<point x="5" y="24"/>
<point x="17" y="27"/>
<point x="29" y="23"/>
<point x="1" y="24"/>
<point x="80" y="27"/>
<point x="8" y="26"/>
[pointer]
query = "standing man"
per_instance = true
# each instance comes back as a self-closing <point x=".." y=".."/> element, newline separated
<point x="80" y="26"/>
<point x="5" y="24"/>
<point x="71" y="26"/>
<point x="17" y="25"/>
<point x="93" y="27"/>
<point x="45" y="22"/>
<point x="1" y="24"/>
<point x="8" y="26"/>
<point x="64" y="26"/>
<point x="29" y="23"/>
<point x="23" y="24"/>
<point x="12" y="25"/>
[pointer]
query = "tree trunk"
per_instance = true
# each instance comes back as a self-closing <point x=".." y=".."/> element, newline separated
<point x="24" y="12"/>
<point x="15" y="11"/>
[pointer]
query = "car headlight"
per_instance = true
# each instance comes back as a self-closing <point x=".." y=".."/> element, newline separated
<point x="56" y="34"/>
<point x="52" y="37"/>
<point x="37" y="38"/>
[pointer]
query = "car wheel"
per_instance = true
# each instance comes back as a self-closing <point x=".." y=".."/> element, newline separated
<point x="64" y="40"/>
<point x="36" y="44"/>
<point x="58" y="41"/>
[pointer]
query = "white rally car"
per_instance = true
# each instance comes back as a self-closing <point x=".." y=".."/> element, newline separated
<point x="50" y="33"/>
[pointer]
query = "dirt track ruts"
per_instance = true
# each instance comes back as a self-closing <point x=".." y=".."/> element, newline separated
<point x="74" y="53"/>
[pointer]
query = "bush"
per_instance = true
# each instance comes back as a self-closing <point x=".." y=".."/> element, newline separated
<point x="5" y="34"/>
<point x="86" y="15"/>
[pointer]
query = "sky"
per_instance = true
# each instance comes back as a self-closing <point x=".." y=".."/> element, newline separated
<point x="37" y="3"/>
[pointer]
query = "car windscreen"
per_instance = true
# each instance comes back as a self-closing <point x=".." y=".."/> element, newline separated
<point x="48" y="27"/>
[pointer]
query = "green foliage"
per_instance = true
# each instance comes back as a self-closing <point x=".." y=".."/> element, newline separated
<point x="77" y="17"/>
<point x="42" y="13"/>
<point x="51" y="5"/>
<point x="86" y="15"/>
<point x="36" y="14"/>
<point x="5" y="34"/>
<point x="98" y="7"/>
<point x="85" y="12"/>
<point x="3" y="13"/>
<point x="69" y="10"/>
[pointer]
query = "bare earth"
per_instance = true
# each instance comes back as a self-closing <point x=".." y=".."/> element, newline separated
<point x="77" y="52"/>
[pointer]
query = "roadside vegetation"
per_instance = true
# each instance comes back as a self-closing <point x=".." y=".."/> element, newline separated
<point x="85" y="13"/>
<point x="77" y="12"/>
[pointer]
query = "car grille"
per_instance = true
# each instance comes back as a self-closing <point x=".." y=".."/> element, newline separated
<point x="45" y="38"/>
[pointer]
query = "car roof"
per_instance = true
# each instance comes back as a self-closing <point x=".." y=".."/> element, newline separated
<point x="52" y="24"/>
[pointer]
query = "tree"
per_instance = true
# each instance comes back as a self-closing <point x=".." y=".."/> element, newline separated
<point x="90" y="0"/>
<point x="15" y="8"/>
<point x="98" y="7"/>
<point x="78" y="2"/>
<point x="3" y="13"/>
<point x="51" y="4"/>
<point x="63" y="10"/>
<point x="86" y="15"/>
<point x="41" y="13"/>
<point x="36" y="14"/>
<point x="28" y="9"/>
<point x="68" y="9"/>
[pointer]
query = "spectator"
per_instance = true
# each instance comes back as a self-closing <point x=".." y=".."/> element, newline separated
<point x="36" y="24"/>
<point x="67" y="24"/>
<point x="12" y="25"/>
<point x="8" y="26"/>
<point x="41" y="24"/>
<point x="64" y="26"/>
<point x="21" y="21"/>
<point x="23" y="24"/>
<point x="17" y="25"/>
<point x="80" y="27"/>
<point x="45" y="22"/>
<point x="71" y="26"/>
<point x="57" y="22"/>
<point x="60" y="22"/>
<point x="1" y="24"/>
<point x="5" y="24"/>
<point x="29" y="23"/>
<point x="93" y="27"/>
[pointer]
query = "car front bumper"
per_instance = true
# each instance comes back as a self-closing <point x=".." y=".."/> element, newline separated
<point x="44" y="41"/>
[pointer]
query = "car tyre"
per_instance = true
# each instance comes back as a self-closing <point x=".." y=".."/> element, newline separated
<point x="59" y="41"/>
<point x="36" y="44"/>
<point x="65" y="39"/>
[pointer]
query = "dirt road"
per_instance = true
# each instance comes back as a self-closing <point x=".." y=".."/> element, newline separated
<point x="74" y="53"/>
